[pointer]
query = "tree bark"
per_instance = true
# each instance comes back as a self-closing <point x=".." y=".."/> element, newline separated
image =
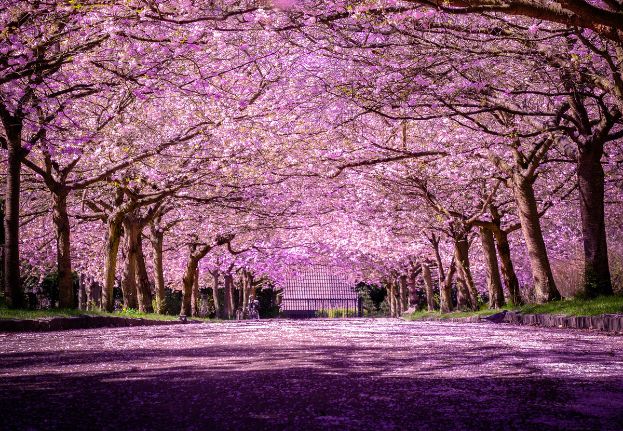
<point x="494" y="283"/>
<point x="544" y="285"/>
<point x="218" y="312"/>
<point x="82" y="293"/>
<point x="187" y="285"/>
<point x="590" y="177"/>
<point x="390" y="298"/>
<point x="445" y="279"/>
<point x="93" y="293"/>
<point x="90" y="293"/>
<point x="157" y="243"/>
<point x="63" y="249"/>
<point x="252" y="293"/>
<point x="396" y="297"/>
<point x="128" y="280"/>
<point x="143" y="285"/>
<point x="110" y="265"/>
<point x="463" y="300"/>
<point x="240" y="294"/>
<point x="198" y="252"/>
<point x="12" y="279"/>
<point x="445" y="293"/>
<point x="469" y="295"/>
<point x="428" y="284"/>
<point x="412" y="287"/>
<point x="195" y="295"/>
<point x="395" y="303"/>
<point x="247" y="286"/>
<point x="2" y="238"/>
<point x="404" y="294"/>
<point x="506" y="265"/>
<point x="229" y="296"/>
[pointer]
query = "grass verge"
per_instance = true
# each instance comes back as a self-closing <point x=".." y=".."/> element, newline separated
<point x="7" y="313"/>
<point x="566" y="307"/>
<point x="336" y="313"/>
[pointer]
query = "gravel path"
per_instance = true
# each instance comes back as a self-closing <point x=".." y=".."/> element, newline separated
<point x="312" y="375"/>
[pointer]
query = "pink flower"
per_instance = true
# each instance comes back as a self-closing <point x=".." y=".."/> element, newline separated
<point x="284" y="4"/>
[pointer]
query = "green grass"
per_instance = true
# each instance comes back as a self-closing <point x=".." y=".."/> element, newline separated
<point x="455" y="314"/>
<point x="6" y="313"/>
<point x="336" y="313"/>
<point x="567" y="307"/>
<point x="578" y="307"/>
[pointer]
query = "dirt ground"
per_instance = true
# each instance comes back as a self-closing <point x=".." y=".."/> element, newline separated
<point x="352" y="374"/>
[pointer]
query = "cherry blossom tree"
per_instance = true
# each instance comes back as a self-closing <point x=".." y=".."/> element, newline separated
<point x="412" y="143"/>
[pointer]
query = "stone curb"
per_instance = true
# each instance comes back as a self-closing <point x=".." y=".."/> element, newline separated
<point x="604" y="322"/>
<point x="77" y="322"/>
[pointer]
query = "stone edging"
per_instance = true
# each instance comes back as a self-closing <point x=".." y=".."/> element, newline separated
<point x="603" y="322"/>
<point x="76" y="322"/>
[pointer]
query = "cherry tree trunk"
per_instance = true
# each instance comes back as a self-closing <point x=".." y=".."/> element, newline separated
<point x="110" y="265"/>
<point x="143" y="285"/>
<point x="157" y="245"/>
<point x="390" y="298"/>
<point x="194" y="309"/>
<point x="466" y="287"/>
<point x="94" y="294"/>
<point x="128" y="280"/>
<point x="494" y="283"/>
<point x="544" y="285"/>
<point x="247" y="286"/>
<point x="229" y="296"/>
<point x="441" y="276"/>
<point x="445" y="282"/>
<point x="244" y="300"/>
<point x="63" y="250"/>
<point x="187" y="285"/>
<point x="463" y="301"/>
<point x="218" y="312"/>
<point x="240" y="294"/>
<point x="395" y="298"/>
<point x="82" y="292"/>
<point x="445" y="294"/>
<point x="2" y="237"/>
<point x="506" y="266"/>
<point x="252" y="293"/>
<point x="12" y="282"/>
<point x="404" y="294"/>
<point x="428" y="285"/>
<point x="412" y="288"/>
<point x="597" y="280"/>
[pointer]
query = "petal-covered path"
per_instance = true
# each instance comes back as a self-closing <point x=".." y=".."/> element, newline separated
<point x="316" y="374"/>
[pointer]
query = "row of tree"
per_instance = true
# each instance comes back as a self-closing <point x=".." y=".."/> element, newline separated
<point x="379" y="137"/>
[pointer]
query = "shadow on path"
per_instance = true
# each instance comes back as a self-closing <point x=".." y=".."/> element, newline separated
<point x="311" y="388"/>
